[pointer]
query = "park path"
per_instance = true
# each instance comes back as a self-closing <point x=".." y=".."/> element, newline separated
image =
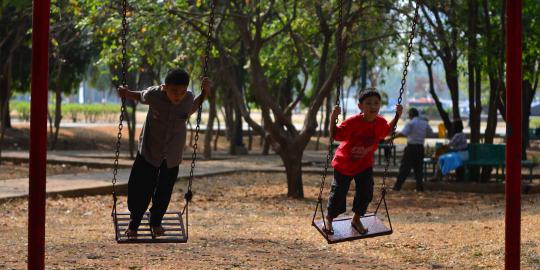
<point x="92" y="183"/>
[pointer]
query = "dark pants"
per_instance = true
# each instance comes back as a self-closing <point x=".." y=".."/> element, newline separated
<point x="337" y="202"/>
<point x="413" y="158"/>
<point x="146" y="183"/>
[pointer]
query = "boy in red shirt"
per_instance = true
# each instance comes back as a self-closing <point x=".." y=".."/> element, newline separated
<point x="360" y="135"/>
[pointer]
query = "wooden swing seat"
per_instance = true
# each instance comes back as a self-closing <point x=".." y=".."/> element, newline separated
<point x="172" y="223"/>
<point x="343" y="231"/>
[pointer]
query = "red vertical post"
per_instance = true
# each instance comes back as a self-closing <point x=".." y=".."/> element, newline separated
<point x="38" y="134"/>
<point x="513" y="143"/>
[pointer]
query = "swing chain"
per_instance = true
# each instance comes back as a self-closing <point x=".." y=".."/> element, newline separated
<point x="401" y="91"/>
<point x="189" y="195"/>
<point x="339" y="66"/>
<point x="123" y="39"/>
<point x="339" y="89"/>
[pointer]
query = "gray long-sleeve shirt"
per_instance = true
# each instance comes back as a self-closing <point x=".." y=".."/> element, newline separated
<point x="163" y="135"/>
<point x="416" y="131"/>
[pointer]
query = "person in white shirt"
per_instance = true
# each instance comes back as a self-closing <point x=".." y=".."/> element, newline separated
<point x="416" y="131"/>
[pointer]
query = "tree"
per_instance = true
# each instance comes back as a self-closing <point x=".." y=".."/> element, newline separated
<point x="531" y="65"/>
<point x="442" y="36"/>
<point x="153" y="44"/>
<point x="428" y="58"/>
<point x="259" y="25"/>
<point x="71" y="52"/>
<point x="14" y="55"/>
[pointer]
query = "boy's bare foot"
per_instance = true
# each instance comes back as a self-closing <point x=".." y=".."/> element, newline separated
<point x="357" y="225"/>
<point x="157" y="230"/>
<point x="329" y="228"/>
<point x="131" y="234"/>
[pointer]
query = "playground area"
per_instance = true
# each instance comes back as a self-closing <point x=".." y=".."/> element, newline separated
<point x="245" y="221"/>
<point x="259" y="116"/>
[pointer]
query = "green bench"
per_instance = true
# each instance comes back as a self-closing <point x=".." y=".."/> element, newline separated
<point x="492" y="155"/>
<point x="534" y="133"/>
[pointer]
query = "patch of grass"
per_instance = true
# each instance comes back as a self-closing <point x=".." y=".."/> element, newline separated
<point x="535" y="122"/>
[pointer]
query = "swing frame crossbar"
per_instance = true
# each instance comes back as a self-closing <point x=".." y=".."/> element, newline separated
<point x="175" y="232"/>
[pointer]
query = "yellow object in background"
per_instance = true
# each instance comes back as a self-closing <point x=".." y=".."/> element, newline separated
<point x="442" y="131"/>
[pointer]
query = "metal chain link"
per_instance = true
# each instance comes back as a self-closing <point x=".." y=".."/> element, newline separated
<point x="189" y="195"/>
<point x="123" y="41"/>
<point x="339" y="86"/>
<point x="401" y="91"/>
<point x="338" y="89"/>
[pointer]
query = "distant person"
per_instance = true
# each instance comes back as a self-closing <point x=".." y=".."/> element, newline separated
<point x="416" y="131"/>
<point x="162" y="141"/>
<point x="456" y="153"/>
<point x="359" y="136"/>
<point x="459" y="139"/>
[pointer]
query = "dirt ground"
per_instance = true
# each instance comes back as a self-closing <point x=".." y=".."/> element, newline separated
<point x="245" y="221"/>
<point x="10" y="170"/>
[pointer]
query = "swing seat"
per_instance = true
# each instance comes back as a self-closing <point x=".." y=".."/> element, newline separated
<point x="343" y="231"/>
<point x="172" y="223"/>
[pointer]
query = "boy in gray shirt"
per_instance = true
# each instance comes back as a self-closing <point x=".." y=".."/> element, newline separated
<point x="161" y="144"/>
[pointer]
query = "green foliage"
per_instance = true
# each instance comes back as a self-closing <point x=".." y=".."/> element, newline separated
<point x="72" y="50"/>
<point x="22" y="109"/>
<point x="156" y="39"/>
<point x="535" y="122"/>
<point x="90" y="113"/>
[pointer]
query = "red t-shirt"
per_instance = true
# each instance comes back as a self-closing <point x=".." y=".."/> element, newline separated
<point x="359" y="139"/>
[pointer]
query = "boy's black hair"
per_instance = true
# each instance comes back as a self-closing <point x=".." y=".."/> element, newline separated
<point x="177" y="76"/>
<point x="457" y="126"/>
<point x="368" y="92"/>
<point x="413" y="112"/>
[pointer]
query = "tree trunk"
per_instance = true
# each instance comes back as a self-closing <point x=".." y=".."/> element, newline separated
<point x="250" y="138"/>
<point x="495" y="82"/>
<point x="5" y="94"/>
<point x="266" y="145"/>
<point x="319" y="134"/>
<point x="438" y="104"/>
<point x="210" y="127"/>
<point x="292" y="160"/>
<point x="7" y="119"/>
<point x="57" y="117"/>
<point x="527" y="96"/>
<point x="239" y="147"/>
<point x="327" y="111"/>
<point x="452" y="80"/>
<point x="216" y="137"/>
<point x="474" y="76"/>
<point x="58" y="106"/>
<point x="132" y="126"/>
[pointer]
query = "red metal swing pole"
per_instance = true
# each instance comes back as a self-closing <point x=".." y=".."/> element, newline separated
<point x="513" y="123"/>
<point x="38" y="134"/>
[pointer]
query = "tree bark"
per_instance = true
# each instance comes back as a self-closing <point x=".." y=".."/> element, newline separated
<point x="210" y="127"/>
<point x="438" y="104"/>
<point x="58" y="105"/>
<point x="292" y="159"/>
<point x="216" y="137"/>
<point x="327" y="111"/>
<point x="494" y="70"/>
<point x="474" y="76"/>
<point x="5" y="83"/>
<point x="452" y="80"/>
